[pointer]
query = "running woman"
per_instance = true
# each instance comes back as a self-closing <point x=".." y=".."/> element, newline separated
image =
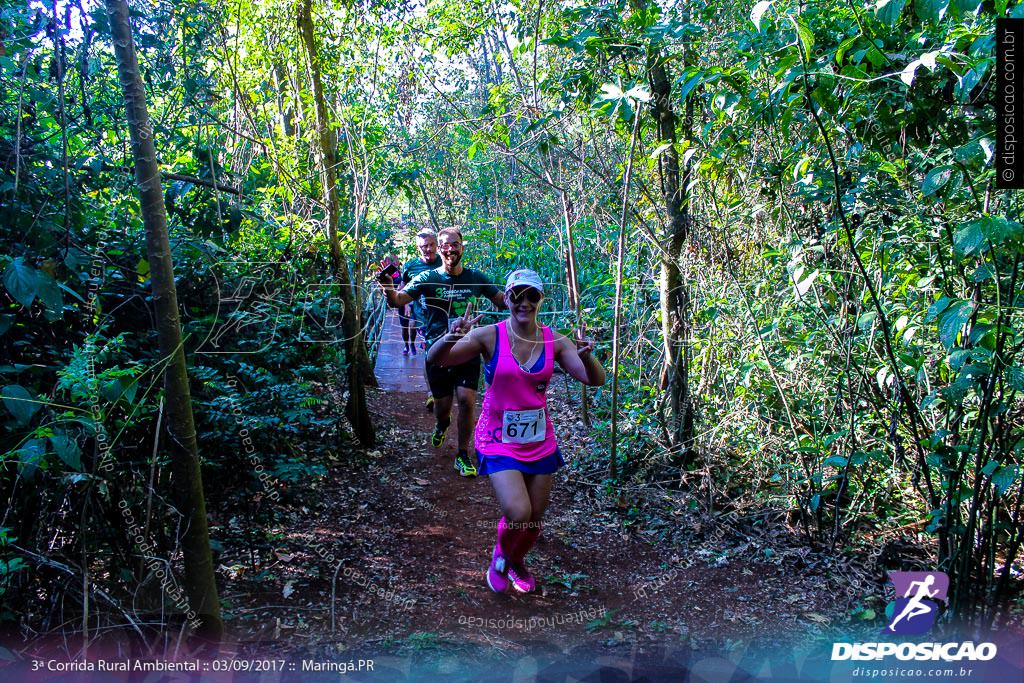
<point x="446" y="293"/>
<point x="515" y="442"/>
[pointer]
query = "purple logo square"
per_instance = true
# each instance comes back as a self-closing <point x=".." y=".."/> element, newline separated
<point x="915" y="607"/>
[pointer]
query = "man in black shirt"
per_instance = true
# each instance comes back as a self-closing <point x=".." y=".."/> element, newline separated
<point x="445" y="293"/>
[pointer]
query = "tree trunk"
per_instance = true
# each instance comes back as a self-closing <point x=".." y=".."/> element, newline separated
<point x="620" y="260"/>
<point x="430" y="207"/>
<point x="675" y="300"/>
<point x="285" y="111"/>
<point x="187" y="491"/>
<point x="573" y="282"/>
<point x="359" y="369"/>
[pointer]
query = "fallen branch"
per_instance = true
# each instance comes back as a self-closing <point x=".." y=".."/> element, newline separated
<point x="68" y="570"/>
<point x="185" y="179"/>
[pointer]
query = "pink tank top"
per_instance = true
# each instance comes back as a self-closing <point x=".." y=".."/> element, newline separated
<point x="514" y="419"/>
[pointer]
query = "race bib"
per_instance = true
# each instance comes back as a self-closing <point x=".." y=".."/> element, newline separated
<point x="523" y="426"/>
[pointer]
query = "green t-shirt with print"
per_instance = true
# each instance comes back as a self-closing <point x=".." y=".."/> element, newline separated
<point x="445" y="297"/>
<point x="410" y="270"/>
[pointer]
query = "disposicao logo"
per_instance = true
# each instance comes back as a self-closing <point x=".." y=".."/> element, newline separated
<point x="913" y="613"/>
<point x="914" y="610"/>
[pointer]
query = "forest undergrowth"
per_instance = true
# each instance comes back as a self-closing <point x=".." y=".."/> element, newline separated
<point x="782" y="223"/>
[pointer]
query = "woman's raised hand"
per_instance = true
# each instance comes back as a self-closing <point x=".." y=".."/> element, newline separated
<point x="584" y="344"/>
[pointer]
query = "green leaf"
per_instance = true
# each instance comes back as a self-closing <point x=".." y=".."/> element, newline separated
<point x="967" y="82"/>
<point x="931" y="10"/>
<point x="969" y="239"/>
<point x="640" y="93"/>
<point x="660" y="149"/>
<point x="49" y="293"/>
<point x="691" y="83"/>
<point x="21" y="281"/>
<point x="975" y="237"/>
<point x="935" y="179"/>
<point x="936" y="308"/>
<point x="1015" y="378"/>
<point x="843" y="47"/>
<point x="957" y="391"/>
<point x="907" y="75"/>
<point x="890" y="168"/>
<point x="8" y="567"/>
<point x="66" y="448"/>
<point x="806" y="37"/>
<point x="1005" y="477"/>
<point x="982" y="273"/>
<point x="1002" y="232"/>
<point x="964" y="6"/>
<point x="953" y="321"/>
<point x="976" y="152"/>
<point x="20" y="402"/>
<point x="610" y="91"/>
<point x="111" y="390"/>
<point x="888" y="11"/>
<point x="803" y="286"/>
<point x="29" y="457"/>
<point x="71" y="291"/>
<point x="758" y="12"/>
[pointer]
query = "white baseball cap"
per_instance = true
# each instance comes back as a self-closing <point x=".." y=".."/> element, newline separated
<point x="524" y="277"/>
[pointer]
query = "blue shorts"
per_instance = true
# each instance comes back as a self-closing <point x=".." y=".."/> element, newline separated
<point x="489" y="464"/>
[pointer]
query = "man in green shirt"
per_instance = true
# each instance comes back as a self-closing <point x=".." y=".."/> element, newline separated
<point x="445" y="292"/>
<point x="429" y="259"/>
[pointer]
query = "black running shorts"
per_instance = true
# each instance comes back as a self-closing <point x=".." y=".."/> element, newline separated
<point x="443" y="380"/>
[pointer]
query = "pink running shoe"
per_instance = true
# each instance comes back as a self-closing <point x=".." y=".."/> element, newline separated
<point x="496" y="579"/>
<point x="521" y="579"/>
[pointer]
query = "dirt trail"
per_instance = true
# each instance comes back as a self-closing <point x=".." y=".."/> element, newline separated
<point x="396" y="547"/>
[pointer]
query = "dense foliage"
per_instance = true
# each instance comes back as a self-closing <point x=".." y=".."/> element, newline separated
<point x="852" y="325"/>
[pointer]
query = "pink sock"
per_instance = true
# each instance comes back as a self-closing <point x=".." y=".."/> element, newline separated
<point x="527" y="539"/>
<point x="508" y="539"/>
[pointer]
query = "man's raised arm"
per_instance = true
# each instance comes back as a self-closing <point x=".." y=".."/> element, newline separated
<point x="498" y="299"/>
<point x="394" y="298"/>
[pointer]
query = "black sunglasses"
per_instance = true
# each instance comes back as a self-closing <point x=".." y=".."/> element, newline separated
<point x="528" y="293"/>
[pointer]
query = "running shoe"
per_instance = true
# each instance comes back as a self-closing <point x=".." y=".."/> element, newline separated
<point x="414" y="349"/>
<point x="495" y="575"/>
<point x="437" y="438"/>
<point x="520" y="578"/>
<point x="430" y="404"/>
<point x="464" y="466"/>
<point x="405" y="351"/>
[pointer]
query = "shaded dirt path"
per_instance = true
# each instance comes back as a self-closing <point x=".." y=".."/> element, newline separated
<point x="387" y="553"/>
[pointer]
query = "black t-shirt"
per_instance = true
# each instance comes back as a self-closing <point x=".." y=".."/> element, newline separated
<point x="411" y="270"/>
<point x="444" y="296"/>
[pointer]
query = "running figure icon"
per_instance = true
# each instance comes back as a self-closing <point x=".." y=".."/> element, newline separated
<point x="915" y="608"/>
